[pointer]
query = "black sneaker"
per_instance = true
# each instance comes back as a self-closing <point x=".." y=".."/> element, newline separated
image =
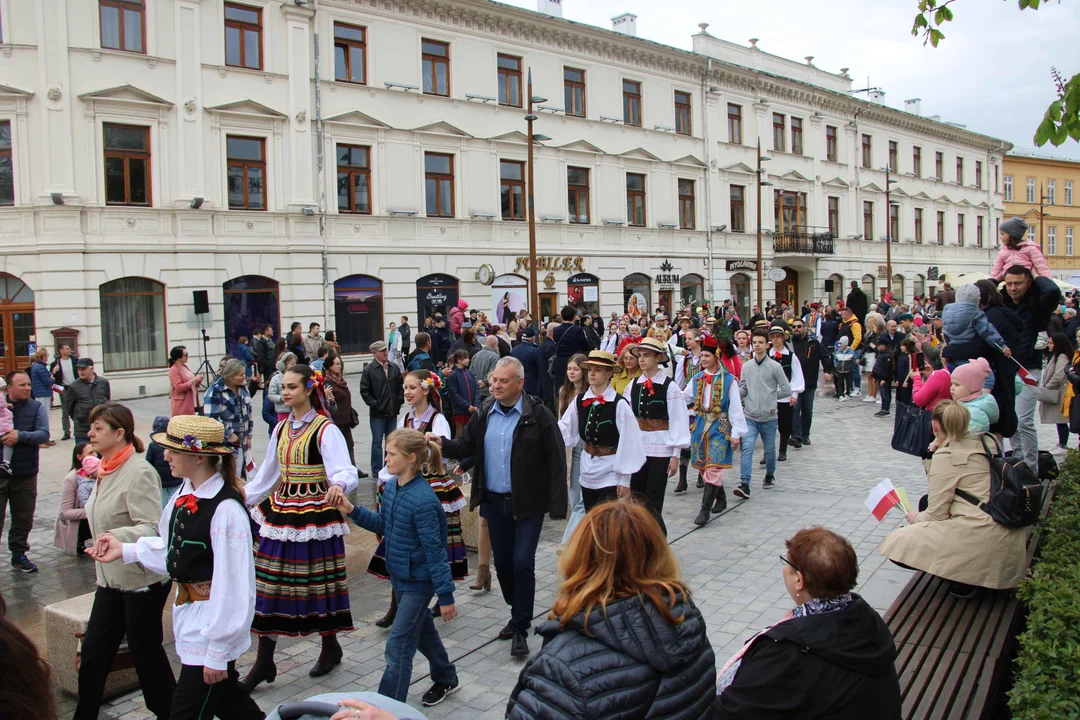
<point x="438" y="693"/>
<point x="770" y="482"/>
<point x="23" y="564"/>
<point x="796" y="443"/>
<point x="806" y="442"/>
<point x="881" y="413"/>
<point x="520" y="646"/>
<point x="507" y="633"/>
<point x="743" y="491"/>
<point x="67" y="436"/>
<point x="782" y="457"/>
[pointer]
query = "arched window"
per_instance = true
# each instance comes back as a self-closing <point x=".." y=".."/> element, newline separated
<point x="868" y="286"/>
<point x="358" y="309"/>
<point x="637" y="293"/>
<point x="837" y="292"/>
<point x="898" y="288"/>
<point x="919" y="286"/>
<point x="251" y="301"/>
<point x="740" y="295"/>
<point x="692" y="289"/>
<point x="17" y="330"/>
<point x="133" y="324"/>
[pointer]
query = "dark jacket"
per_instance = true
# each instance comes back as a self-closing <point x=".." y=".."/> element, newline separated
<point x="81" y="397"/>
<point x="420" y="360"/>
<point x="413" y="525"/>
<point x="837" y="665"/>
<point x="264" y="356"/>
<point x="155" y="455"/>
<point x="440" y="344"/>
<point x="41" y="381"/>
<point x="1056" y="324"/>
<point x="296" y="347"/>
<point x="58" y="372"/>
<point x="342" y="414"/>
<point x="829" y="329"/>
<point x="858" y="303"/>
<point x="631" y="664"/>
<point x="244" y="354"/>
<point x="569" y="340"/>
<point x="1009" y="326"/>
<point x="458" y="344"/>
<point x="808" y="350"/>
<point x="529" y="356"/>
<point x="943" y="298"/>
<point x="537" y="460"/>
<point x="547" y="386"/>
<point x="382" y="392"/>
<point x="504" y="347"/>
<point x="1034" y="311"/>
<point x="464" y="391"/>
<point x="31" y="420"/>
<point x="406" y="337"/>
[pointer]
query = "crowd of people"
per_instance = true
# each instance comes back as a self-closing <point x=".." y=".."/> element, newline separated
<point x="577" y="420"/>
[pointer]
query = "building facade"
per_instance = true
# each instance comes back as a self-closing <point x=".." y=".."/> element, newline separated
<point x="366" y="160"/>
<point x="1040" y="190"/>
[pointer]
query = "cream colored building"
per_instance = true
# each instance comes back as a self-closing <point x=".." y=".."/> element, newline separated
<point x="150" y="149"/>
<point x="1041" y="190"/>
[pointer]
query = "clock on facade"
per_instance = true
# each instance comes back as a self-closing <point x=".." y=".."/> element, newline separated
<point x="486" y="274"/>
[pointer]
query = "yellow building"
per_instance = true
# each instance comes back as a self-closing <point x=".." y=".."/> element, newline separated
<point x="1042" y="190"/>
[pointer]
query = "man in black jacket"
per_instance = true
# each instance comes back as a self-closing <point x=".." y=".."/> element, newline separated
<point x="1034" y="301"/>
<point x="857" y="301"/>
<point x="383" y="391"/>
<point x="547" y="352"/>
<point x="529" y="356"/>
<point x="406" y="335"/>
<point x="440" y="341"/>
<point x="85" y="394"/>
<point x="18" y="484"/>
<point x="570" y="339"/>
<point x="808" y="350"/>
<point x="519" y="474"/>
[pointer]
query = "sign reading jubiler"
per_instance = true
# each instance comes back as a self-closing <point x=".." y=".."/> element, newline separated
<point x="556" y="262"/>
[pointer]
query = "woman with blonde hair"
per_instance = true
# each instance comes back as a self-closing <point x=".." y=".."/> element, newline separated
<point x="624" y="637"/>
<point x="627" y="370"/>
<point x="873" y="327"/>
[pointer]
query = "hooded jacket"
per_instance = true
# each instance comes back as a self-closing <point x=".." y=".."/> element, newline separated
<point x="837" y="665"/>
<point x="631" y="664"/>
<point x="1027" y="254"/>
<point x="457" y="317"/>
<point x="963" y="320"/>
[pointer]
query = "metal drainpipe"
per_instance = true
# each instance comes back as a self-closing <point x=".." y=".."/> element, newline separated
<point x="320" y="179"/>
<point x="708" y="183"/>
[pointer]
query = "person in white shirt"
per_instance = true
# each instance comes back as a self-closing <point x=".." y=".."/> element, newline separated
<point x="687" y="365"/>
<point x="781" y="353"/>
<point x="204" y="545"/>
<point x="657" y="403"/>
<point x="601" y="421"/>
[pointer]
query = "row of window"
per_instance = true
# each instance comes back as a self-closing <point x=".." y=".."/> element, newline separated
<point x="1050" y="196"/>
<point x="1051" y="240"/>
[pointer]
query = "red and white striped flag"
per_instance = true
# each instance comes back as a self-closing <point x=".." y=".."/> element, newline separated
<point x="1026" y="377"/>
<point x="881" y="499"/>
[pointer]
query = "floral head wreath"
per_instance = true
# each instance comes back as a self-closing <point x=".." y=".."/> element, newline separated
<point x="431" y="382"/>
<point x="316" y="380"/>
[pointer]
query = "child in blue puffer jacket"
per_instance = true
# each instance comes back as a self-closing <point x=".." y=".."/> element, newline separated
<point x="963" y="322"/>
<point x="413" y="523"/>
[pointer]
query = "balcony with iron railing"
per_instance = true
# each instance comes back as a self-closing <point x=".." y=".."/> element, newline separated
<point x="803" y="241"/>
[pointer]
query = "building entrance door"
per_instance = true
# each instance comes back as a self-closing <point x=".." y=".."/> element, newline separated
<point x="17" y="338"/>
<point x="548" y="302"/>
<point x="665" y="301"/>
<point x="787" y="288"/>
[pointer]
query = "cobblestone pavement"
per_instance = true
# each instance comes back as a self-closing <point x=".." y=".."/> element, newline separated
<point x="731" y="564"/>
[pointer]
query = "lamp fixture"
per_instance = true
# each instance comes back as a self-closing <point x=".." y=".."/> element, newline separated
<point x="530" y="117"/>
<point x="537" y="137"/>
<point x="309" y="211"/>
<point x="196" y="202"/>
<point x="719" y="228"/>
<point x="554" y="219"/>
<point x="401" y="86"/>
<point x="665" y="128"/>
<point x="538" y="100"/>
<point x="480" y="98"/>
<point x="550" y="108"/>
<point x="607" y="118"/>
<point x="765" y="158"/>
<point x="765" y="183"/>
<point x="57" y="198"/>
<point x="613" y="222"/>
<point x="667" y="225"/>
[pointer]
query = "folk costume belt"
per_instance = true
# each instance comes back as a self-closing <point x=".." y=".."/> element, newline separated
<point x="652" y="424"/>
<point x="192" y="592"/>
<point x="599" y="450"/>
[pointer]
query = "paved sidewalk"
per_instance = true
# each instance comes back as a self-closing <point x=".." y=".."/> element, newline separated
<point x="731" y="564"/>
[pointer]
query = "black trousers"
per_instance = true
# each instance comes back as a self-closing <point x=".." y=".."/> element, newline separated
<point x="513" y="548"/>
<point x="591" y="498"/>
<point x="138" y="614"/>
<point x="195" y="700"/>
<point x="21" y="494"/>
<point x="649" y="485"/>
<point x="843" y="383"/>
<point x="783" y="423"/>
<point x="804" y="414"/>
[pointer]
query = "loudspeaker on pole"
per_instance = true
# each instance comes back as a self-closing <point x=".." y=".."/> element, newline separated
<point x="202" y="302"/>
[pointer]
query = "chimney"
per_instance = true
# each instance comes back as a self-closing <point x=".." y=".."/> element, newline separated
<point x="625" y="24"/>
<point x="877" y="95"/>
<point x="913" y="106"/>
<point x="550" y="7"/>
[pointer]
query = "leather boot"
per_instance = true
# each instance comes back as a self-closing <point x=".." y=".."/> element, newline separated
<point x="681" y="487"/>
<point x="700" y="483"/>
<point x="483" y="578"/>
<point x="388" y="619"/>
<point x="707" y="499"/>
<point x="264" y="668"/>
<point x="329" y="657"/>
<point x="721" y="501"/>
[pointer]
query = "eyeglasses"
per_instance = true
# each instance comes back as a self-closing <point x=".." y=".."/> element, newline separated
<point x="798" y="327"/>
<point x="789" y="563"/>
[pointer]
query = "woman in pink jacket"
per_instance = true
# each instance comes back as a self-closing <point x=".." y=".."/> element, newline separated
<point x="1015" y="250"/>
<point x="457" y="317"/>
<point x="185" y="384"/>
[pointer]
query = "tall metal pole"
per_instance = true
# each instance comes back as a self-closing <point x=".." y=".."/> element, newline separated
<point x="1042" y="205"/>
<point x="760" y="281"/>
<point x="534" y="294"/>
<point x="888" y="229"/>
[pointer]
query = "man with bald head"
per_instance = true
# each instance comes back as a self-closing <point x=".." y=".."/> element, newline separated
<point x="483" y="362"/>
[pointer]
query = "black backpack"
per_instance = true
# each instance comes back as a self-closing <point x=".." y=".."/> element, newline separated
<point x="1016" y="493"/>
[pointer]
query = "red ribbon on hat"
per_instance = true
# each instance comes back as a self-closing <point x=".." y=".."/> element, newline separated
<point x="189" y="502"/>
<point x="649" y="385"/>
<point x="599" y="399"/>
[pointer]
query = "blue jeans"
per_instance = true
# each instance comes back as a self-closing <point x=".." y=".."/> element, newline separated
<point x="856" y="372"/>
<point x="767" y="430"/>
<point x="577" y="505"/>
<point x="381" y="427"/>
<point x="513" y="546"/>
<point x="413" y="629"/>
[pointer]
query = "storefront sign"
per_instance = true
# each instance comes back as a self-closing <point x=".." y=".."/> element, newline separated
<point x="436" y="294"/>
<point x="932" y="273"/>
<point x="666" y="277"/>
<point x="555" y="262"/>
<point x="583" y="292"/>
<point x="748" y="265"/>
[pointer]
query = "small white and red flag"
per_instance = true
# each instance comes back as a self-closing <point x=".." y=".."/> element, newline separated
<point x="1026" y="377"/>
<point x="881" y="499"/>
<point x="250" y="467"/>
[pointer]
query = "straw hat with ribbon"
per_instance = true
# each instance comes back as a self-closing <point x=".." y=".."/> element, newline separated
<point x="652" y="345"/>
<point x="600" y="359"/>
<point x="193" y="434"/>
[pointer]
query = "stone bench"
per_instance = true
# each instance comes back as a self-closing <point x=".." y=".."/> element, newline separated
<point x="64" y="622"/>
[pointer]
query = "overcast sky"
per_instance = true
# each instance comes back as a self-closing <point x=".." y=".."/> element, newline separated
<point x="991" y="73"/>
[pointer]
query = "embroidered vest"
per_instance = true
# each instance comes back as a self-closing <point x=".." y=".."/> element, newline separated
<point x="302" y="471"/>
<point x="191" y="556"/>
<point x="650" y="410"/>
<point x="718" y="400"/>
<point x="596" y="423"/>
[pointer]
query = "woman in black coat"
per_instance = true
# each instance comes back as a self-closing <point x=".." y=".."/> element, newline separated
<point x="831" y="657"/>
<point x="624" y="638"/>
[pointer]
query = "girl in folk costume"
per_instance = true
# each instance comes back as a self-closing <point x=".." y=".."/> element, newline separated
<point x="716" y="425"/>
<point x="424" y="416"/>
<point x="781" y="353"/>
<point x="205" y="547"/>
<point x="300" y="558"/>
<point x="742" y="345"/>
<point x="687" y="365"/>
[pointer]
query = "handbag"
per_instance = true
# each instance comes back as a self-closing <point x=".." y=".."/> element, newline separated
<point x="354" y="417"/>
<point x="912" y="431"/>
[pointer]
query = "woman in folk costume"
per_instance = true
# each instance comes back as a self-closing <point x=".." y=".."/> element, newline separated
<point x="204" y="545"/>
<point x="687" y="365"/>
<point x="716" y="425"/>
<point x="300" y="558"/>
<point x="424" y="416"/>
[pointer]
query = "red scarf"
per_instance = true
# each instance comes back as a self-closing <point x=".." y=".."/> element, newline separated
<point x="113" y="464"/>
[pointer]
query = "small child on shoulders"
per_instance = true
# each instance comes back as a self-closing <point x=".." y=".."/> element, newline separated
<point x="1016" y="250"/>
<point x="964" y="324"/>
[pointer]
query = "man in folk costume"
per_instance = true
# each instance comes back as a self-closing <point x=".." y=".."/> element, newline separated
<point x="717" y="425"/>
<point x="687" y="365"/>
<point x="677" y="341"/>
<point x="603" y="423"/>
<point x="785" y="404"/>
<point x="657" y="403"/>
<point x="300" y="560"/>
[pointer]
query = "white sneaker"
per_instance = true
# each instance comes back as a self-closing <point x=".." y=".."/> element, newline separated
<point x="843" y="398"/>
<point x="868" y="399"/>
<point x="855" y="393"/>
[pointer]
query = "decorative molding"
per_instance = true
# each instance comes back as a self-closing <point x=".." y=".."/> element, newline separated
<point x="126" y="93"/>
<point x="95" y="55"/>
<point x="191" y="106"/>
<point x="246" y="107"/>
<point x="301" y="116"/>
<point x="16" y="92"/>
<point x="355" y="117"/>
<point x="54" y="93"/>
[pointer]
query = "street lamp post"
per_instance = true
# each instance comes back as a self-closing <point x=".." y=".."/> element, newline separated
<point x="534" y="291"/>
<point x="760" y="270"/>
<point x="1042" y="204"/>
<point x="888" y="227"/>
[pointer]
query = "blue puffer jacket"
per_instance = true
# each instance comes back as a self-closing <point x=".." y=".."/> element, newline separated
<point x="41" y="381"/>
<point x="412" y="521"/>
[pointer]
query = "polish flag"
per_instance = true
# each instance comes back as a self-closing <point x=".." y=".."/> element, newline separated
<point x="1026" y="377"/>
<point x="881" y="499"/>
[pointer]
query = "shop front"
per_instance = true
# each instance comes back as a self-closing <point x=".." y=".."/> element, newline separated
<point x="358" y="312"/>
<point x="583" y="291"/>
<point x="435" y="295"/>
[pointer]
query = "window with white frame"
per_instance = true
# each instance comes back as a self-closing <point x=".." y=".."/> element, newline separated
<point x="1008" y="188"/>
<point x="1051" y="241"/>
<point x="1069" y="241"/>
<point x="1068" y="192"/>
<point x="1051" y="192"/>
<point x="1031" y="233"/>
<point x="1031" y="190"/>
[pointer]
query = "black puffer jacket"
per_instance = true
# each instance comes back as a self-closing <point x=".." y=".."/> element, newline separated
<point x="1034" y="311"/>
<point x="631" y="665"/>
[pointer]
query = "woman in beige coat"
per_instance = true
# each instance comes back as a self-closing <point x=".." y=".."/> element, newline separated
<point x="952" y="538"/>
<point x="126" y="502"/>
<point x="1052" y="386"/>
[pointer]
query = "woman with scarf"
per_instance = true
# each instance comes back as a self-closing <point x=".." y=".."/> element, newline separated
<point x="716" y="425"/>
<point x="339" y="396"/>
<point x="831" y="656"/>
<point x="300" y="558"/>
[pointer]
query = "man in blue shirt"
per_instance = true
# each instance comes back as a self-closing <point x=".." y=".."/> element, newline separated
<point x="519" y="475"/>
